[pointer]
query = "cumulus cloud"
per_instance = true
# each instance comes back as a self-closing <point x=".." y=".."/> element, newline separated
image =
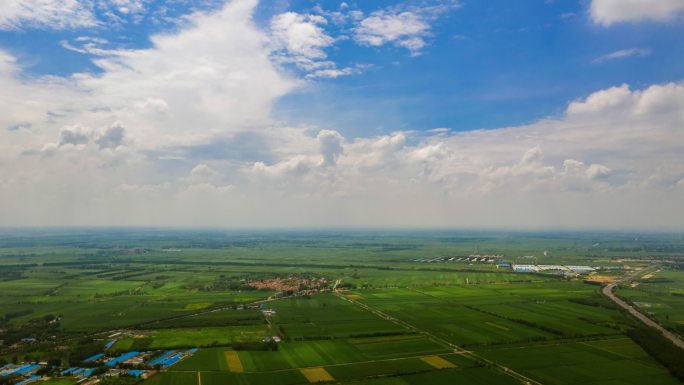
<point x="601" y="155"/>
<point x="180" y="134"/>
<point x="301" y="39"/>
<point x="402" y="26"/>
<point x="331" y="146"/>
<point x="73" y="135"/>
<point x="202" y="170"/>
<point x="301" y="35"/>
<point x="112" y="137"/>
<point x="608" y="12"/>
<point x="185" y="89"/>
<point x="405" y="29"/>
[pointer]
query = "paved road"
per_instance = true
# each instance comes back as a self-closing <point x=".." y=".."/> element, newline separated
<point x="608" y="292"/>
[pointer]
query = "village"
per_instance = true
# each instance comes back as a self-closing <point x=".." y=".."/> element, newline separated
<point x="291" y="285"/>
<point x="93" y="369"/>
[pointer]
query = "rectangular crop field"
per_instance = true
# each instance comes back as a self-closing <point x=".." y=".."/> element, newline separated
<point x="233" y="361"/>
<point x="438" y="362"/>
<point x="316" y="374"/>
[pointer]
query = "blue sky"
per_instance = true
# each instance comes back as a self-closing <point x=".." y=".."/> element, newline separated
<point x="486" y="64"/>
<point x="490" y="64"/>
<point x="413" y="113"/>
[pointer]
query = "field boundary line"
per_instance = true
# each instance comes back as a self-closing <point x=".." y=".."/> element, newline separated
<point x="555" y="342"/>
<point x="326" y="366"/>
<point x="585" y="343"/>
<point x="457" y="349"/>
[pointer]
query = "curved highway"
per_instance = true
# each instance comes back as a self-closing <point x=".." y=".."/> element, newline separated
<point x="608" y="292"/>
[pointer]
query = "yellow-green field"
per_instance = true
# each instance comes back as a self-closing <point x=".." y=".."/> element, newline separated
<point x="316" y="375"/>
<point x="233" y="361"/>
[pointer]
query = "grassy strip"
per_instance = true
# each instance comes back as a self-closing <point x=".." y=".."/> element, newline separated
<point x="660" y="348"/>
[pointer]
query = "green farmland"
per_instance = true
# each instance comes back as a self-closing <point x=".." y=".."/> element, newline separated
<point x="385" y="309"/>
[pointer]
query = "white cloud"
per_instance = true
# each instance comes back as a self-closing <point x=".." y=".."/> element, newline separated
<point x="112" y="137"/>
<point x="403" y="26"/>
<point x="301" y="35"/>
<point x="600" y="156"/>
<point x="202" y="170"/>
<point x="50" y="14"/>
<point x="624" y="53"/>
<point x="405" y="29"/>
<point x="300" y="39"/>
<point x="88" y="14"/>
<point x="128" y="6"/>
<point x="185" y="89"/>
<point x="608" y="12"/>
<point x="332" y="73"/>
<point x="331" y="146"/>
<point x="73" y="136"/>
<point x="181" y="134"/>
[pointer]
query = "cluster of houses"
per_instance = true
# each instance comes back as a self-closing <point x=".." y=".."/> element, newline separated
<point x="25" y="373"/>
<point x="289" y="284"/>
<point x="146" y="364"/>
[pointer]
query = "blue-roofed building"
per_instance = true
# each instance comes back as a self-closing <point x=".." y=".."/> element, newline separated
<point x="78" y="372"/>
<point x="8" y="369"/>
<point x="126" y="356"/>
<point x="109" y="344"/>
<point x="27" y="369"/>
<point x="171" y="360"/>
<point x="137" y="373"/>
<point x="171" y="357"/>
<point x="161" y="358"/>
<point x="93" y="358"/>
<point x="69" y="371"/>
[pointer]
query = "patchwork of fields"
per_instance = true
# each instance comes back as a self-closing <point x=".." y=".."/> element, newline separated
<point x="540" y="331"/>
<point x="393" y="320"/>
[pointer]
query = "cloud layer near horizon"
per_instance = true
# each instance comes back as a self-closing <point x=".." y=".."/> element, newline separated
<point x="181" y="134"/>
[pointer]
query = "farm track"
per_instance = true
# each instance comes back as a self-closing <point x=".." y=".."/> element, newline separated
<point x="608" y="292"/>
<point x="456" y="349"/>
<point x="558" y="342"/>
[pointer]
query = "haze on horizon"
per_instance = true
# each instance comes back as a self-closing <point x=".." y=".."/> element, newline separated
<point x="434" y="113"/>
